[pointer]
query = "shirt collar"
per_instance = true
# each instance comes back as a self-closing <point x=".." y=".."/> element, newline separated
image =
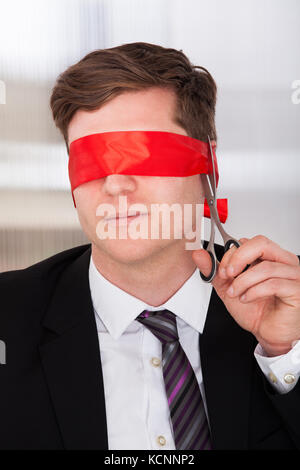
<point x="117" y="308"/>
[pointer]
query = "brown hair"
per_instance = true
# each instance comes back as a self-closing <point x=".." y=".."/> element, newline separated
<point x="105" y="73"/>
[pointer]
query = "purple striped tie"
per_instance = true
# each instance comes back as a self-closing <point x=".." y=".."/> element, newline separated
<point x="190" y="426"/>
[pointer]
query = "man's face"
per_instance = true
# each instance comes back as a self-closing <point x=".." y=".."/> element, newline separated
<point x="147" y="110"/>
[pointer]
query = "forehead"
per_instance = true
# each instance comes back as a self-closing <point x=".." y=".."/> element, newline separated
<point x="150" y="109"/>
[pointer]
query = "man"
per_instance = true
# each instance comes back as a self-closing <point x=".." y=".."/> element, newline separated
<point x="86" y="364"/>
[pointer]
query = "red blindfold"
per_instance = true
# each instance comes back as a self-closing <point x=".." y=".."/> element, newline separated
<point x="151" y="153"/>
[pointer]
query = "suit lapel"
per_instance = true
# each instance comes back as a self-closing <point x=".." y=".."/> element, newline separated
<point x="71" y="360"/>
<point x="226" y="352"/>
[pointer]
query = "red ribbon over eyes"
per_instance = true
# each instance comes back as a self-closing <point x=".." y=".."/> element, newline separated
<point x="151" y="153"/>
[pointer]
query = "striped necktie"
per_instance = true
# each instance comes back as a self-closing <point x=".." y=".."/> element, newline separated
<point x="190" y="426"/>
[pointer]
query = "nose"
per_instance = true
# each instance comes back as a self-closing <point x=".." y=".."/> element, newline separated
<point x="119" y="184"/>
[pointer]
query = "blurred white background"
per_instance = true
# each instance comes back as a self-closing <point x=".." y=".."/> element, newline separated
<point x="251" y="47"/>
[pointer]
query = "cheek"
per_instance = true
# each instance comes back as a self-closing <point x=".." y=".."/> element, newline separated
<point x="174" y="189"/>
<point x="168" y="188"/>
<point x="86" y="205"/>
<point x="195" y="189"/>
<point x="86" y="193"/>
<point x="189" y="189"/>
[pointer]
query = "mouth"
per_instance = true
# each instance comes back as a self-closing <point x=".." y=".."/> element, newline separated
<point x="124" y="218"/>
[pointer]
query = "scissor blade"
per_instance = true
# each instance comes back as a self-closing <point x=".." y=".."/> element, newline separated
<point x="212" y="176"/>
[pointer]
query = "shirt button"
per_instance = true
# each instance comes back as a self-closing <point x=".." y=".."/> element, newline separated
<point x="161" y="440"/>
<point x="273" y="378"/>
<point x="289" y="378"/>
<point x="155" y="361"/>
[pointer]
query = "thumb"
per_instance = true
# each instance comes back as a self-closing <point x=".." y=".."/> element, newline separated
<point x="203" y="261"/>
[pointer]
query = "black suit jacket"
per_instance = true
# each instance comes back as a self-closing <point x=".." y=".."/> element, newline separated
<point x="51" y="387"/>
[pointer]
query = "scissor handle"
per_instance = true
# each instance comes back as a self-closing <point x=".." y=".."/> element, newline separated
<point x="213" y="269"/>
<point x="230" y="242"/>
<point x="214" y="260"/>
<point x="227" y="247"/>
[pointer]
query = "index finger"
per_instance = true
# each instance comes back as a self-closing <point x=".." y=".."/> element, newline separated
<point x="262" y="248"/>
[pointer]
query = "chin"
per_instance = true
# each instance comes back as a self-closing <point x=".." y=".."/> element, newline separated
<point x="130" y="251"/>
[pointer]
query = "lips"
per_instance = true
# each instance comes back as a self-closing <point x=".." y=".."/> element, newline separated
<point x="125" y="216"/>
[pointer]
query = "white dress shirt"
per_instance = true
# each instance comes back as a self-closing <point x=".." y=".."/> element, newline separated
<point x="137" y="409"/>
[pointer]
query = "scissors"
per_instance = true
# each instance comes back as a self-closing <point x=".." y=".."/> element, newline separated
<point x="210" y="192"/>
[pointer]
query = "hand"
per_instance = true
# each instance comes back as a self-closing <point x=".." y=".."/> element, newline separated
<point x="271" y="286"/>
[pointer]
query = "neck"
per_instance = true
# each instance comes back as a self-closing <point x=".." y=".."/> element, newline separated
<point x="154" y="279"/>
